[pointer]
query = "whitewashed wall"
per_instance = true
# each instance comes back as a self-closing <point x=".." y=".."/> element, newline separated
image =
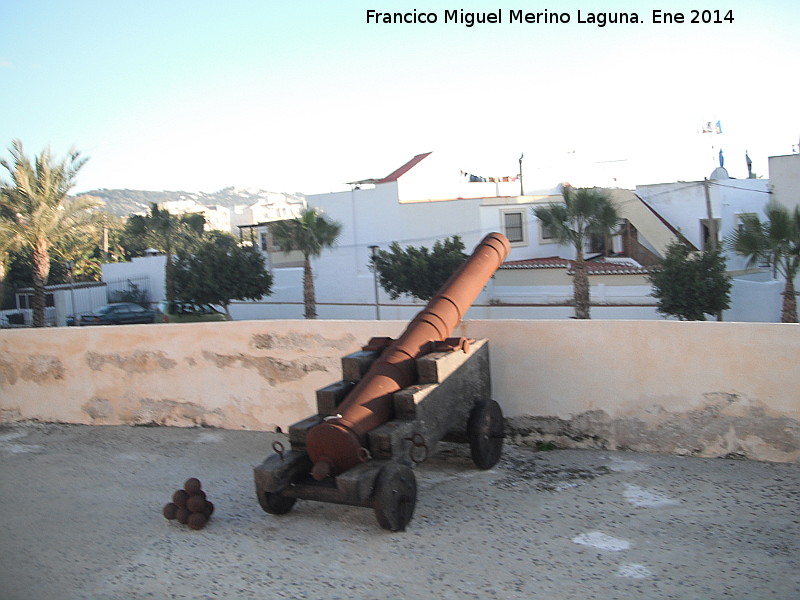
<point x="375" y="217"/>
<point x="142" y="266"/>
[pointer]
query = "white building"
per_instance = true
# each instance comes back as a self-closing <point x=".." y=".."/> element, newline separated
<point x="686" y="206"/>
<point x="428" y="199"/>
<point x="267" y="207"/>
<point x="756" y="292"/>
<point x="217" y="217"/>
<point x="144" y="272"/>
<point x="784" y="178"/>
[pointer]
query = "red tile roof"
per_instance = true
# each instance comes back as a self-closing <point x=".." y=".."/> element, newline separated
<point x="397" y="173"/>
<point x="592" y="267"/>
<point x="551" y="262"/>
<point x="394" y="175"/>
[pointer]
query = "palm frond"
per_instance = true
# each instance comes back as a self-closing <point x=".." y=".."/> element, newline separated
<point x="37" y="212"/>
<point x="585" y="211"/>
<point x="776" y="240"/>
<point x="310" y="233"/>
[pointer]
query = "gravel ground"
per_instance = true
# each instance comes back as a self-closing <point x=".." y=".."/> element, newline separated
<point x="80" y="517"/>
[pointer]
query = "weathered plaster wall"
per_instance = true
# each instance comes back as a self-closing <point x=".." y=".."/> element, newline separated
<point x="707" y="389"/>
<point x="699" y="388"/>
<point x="247" y="374"/>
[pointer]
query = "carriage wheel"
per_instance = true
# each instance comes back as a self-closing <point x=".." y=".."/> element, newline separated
<point x="485" y="434"/>
<point x="275" y="504"/>
<point x="395" y="497"/>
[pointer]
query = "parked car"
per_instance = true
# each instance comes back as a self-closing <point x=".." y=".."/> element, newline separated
<point x="118" y="313"/>
<point x="188" y="312"/>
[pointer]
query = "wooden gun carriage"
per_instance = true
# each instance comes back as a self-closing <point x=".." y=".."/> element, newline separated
<point x="450" y="402"/>
<point x="397" y="399"/>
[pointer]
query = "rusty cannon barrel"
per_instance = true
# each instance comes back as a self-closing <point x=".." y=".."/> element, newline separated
<point x="337" y="444"/>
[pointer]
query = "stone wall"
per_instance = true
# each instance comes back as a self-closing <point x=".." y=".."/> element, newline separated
<point x="707" y="389"/>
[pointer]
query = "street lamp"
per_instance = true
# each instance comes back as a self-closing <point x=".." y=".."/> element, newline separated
<point x="374" y="250"/>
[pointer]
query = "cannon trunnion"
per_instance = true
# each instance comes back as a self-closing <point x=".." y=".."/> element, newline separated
<point x="450" y="401"/>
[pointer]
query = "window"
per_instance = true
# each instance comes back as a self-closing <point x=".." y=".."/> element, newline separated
<point x="514" y="226"/>
<point x="26" y="300"/>
<point x="546" y="233"/>
<point x="597" y="244"/>
<point x="741" y="218"/>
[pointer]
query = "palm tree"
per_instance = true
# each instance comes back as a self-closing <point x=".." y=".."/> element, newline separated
<point x="585" y="213"/>
<point x="37" y="212"/>
<point x="310" y="233"/>
<point x="777" y="242"/>
<point x="8" y="244"/>
<point x="169" y="234"/>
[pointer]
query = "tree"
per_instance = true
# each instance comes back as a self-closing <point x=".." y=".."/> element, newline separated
<point x="37" y="213"/>
<point x="775" y="242"/>
<point x="133" y="238"/>
<point x="310" y="233"/>
<point x="418" y="272"/>
<point x="84" y="252"/>
<point x="165" y="232"/>
<point x="109" y="248"/>
<point x="20" y="269"/>
<point x="8" y="243"/>
<point x="586" y="212"/>
<point x="689" y="285"/>
<point x="219" y="270"/>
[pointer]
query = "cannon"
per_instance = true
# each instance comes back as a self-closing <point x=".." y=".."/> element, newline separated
<point x="396" y="401"/>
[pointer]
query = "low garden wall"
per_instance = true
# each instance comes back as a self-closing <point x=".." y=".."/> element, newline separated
<point x="706" y="389"/>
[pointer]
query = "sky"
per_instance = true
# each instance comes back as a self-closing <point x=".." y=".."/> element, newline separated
<point x="306" y="95"/>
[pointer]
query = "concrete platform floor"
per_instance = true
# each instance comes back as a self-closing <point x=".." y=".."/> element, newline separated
<point x="80" y="517"/>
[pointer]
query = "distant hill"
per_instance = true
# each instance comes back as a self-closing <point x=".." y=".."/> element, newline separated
<point x="128" y="202"/>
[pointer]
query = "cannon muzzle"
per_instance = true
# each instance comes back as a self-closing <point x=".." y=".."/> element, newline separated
<point x="338" y="443"/>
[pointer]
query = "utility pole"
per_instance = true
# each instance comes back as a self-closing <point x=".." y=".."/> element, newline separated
<point x="712" y="224"/>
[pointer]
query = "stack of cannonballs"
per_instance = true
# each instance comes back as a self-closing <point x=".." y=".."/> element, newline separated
<point x="189" y="506"/>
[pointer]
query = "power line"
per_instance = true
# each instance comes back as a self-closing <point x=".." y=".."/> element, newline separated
<point x="412" y="240"/>
<point x="733" y="187"/>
